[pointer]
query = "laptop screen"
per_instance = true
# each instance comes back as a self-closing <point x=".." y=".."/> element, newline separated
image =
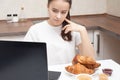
<point x="23" y="61"/>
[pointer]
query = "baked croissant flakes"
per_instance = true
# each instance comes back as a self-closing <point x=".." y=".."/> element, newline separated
<point x="83" y="60"/>
<point x="78" y="68"/>
<point x="82" y="64"/>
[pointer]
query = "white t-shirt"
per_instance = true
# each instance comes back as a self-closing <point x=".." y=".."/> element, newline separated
<point x="59" y="51"/>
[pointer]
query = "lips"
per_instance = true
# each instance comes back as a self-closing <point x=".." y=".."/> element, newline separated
<point x="58" y="22"/>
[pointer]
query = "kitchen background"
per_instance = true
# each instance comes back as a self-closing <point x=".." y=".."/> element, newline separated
<point x="106" y="43"/>
<point x="38" y="8"/>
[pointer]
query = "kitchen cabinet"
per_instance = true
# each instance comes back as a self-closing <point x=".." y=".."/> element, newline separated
<point x="106" y="46"/>
<point x="111" y="47"/>
<point x="13" y="38"/>
<point x="94" y="36"/>
<point x="97" y="42"/>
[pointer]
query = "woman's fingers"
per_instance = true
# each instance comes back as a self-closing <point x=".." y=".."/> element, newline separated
<point x="67" y="20"/>
<point x="66" y="27"/>
<point x="73" y="27"/>
<point x="70" y="26"/>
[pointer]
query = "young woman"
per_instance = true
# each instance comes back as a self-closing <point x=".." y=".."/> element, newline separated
<point x="62" y="36"/>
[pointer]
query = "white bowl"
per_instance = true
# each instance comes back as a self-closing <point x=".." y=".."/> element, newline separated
<point x="83" y="77"/>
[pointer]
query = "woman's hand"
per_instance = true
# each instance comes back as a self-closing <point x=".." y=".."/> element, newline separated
<point x="73" y="27"/>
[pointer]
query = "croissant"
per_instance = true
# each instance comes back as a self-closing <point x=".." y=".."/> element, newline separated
<point x="88" y="62"/>
<point x="92" y="66"/>
<point x="82" y="64"/>
<point x="78" y="68"/>
<point x="83" y="60"/>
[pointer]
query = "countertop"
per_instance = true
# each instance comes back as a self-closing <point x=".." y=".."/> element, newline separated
<point x="109" y="63"/>
<point x="11" y="29"/>
<point x="104" y="22"/>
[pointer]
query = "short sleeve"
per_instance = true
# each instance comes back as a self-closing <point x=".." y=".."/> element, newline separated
<point x="30" y="35"/>
<point x="77" y="38"/>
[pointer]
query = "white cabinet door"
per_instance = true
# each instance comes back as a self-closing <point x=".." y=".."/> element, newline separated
<point x="94" y="36"/>
<point x="91" y="35"/>
<point x="98" y="44"/>
<point x="13" y="38"/>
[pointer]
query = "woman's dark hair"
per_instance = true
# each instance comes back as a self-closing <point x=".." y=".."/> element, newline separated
<point x="65" y="36"/>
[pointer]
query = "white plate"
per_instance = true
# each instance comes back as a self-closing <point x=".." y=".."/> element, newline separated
<point x="80" y="73"/>
<point x="94" y="76"/>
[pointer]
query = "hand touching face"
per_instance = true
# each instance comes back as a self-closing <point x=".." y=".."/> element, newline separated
<point x="72" y="27"/>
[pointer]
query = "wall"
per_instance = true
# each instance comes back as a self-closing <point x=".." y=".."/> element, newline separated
<point x="83" y="7"/>
<point x="32" y="8"/>
<point x="38" y="8"/>
<point x="113" y="7"/>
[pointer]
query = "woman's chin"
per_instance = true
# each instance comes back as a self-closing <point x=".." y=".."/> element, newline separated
<point x="57" y="23"/>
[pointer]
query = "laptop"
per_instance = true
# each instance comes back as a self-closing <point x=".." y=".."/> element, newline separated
<point x="23" y="61"/>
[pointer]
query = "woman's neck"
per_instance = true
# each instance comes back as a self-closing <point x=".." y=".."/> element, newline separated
<point x="50" y="23"/>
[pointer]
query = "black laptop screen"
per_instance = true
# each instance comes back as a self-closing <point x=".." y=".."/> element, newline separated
<point x="23" y="61"/>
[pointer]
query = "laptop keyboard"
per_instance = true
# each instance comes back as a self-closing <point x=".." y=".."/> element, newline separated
<point x="53" y="75"/>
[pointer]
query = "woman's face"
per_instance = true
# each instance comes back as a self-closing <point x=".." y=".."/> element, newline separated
<point x="58" y="10"/>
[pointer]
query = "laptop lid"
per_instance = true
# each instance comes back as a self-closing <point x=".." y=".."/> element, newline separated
<point x="23" y="61"/>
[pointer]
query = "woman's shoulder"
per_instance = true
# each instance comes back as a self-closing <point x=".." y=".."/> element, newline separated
<point x="42" y="23"/>
<point x="39" y="25"/>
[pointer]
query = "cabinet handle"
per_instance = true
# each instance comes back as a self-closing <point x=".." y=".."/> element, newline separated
<point x="98" y="43"/>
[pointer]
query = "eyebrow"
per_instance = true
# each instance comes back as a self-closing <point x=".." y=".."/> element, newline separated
<point x="57" y="9"/>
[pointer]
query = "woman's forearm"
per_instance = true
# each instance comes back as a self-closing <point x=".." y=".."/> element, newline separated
<point x="86" y="48"/>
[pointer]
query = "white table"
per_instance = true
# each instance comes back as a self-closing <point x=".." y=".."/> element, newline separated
<point x="104" y="64"/>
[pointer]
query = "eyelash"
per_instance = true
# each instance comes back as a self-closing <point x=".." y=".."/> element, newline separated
<point x="63" y="12"/>
<point x="58" y="11"/>
<point x="55" y="11"/>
